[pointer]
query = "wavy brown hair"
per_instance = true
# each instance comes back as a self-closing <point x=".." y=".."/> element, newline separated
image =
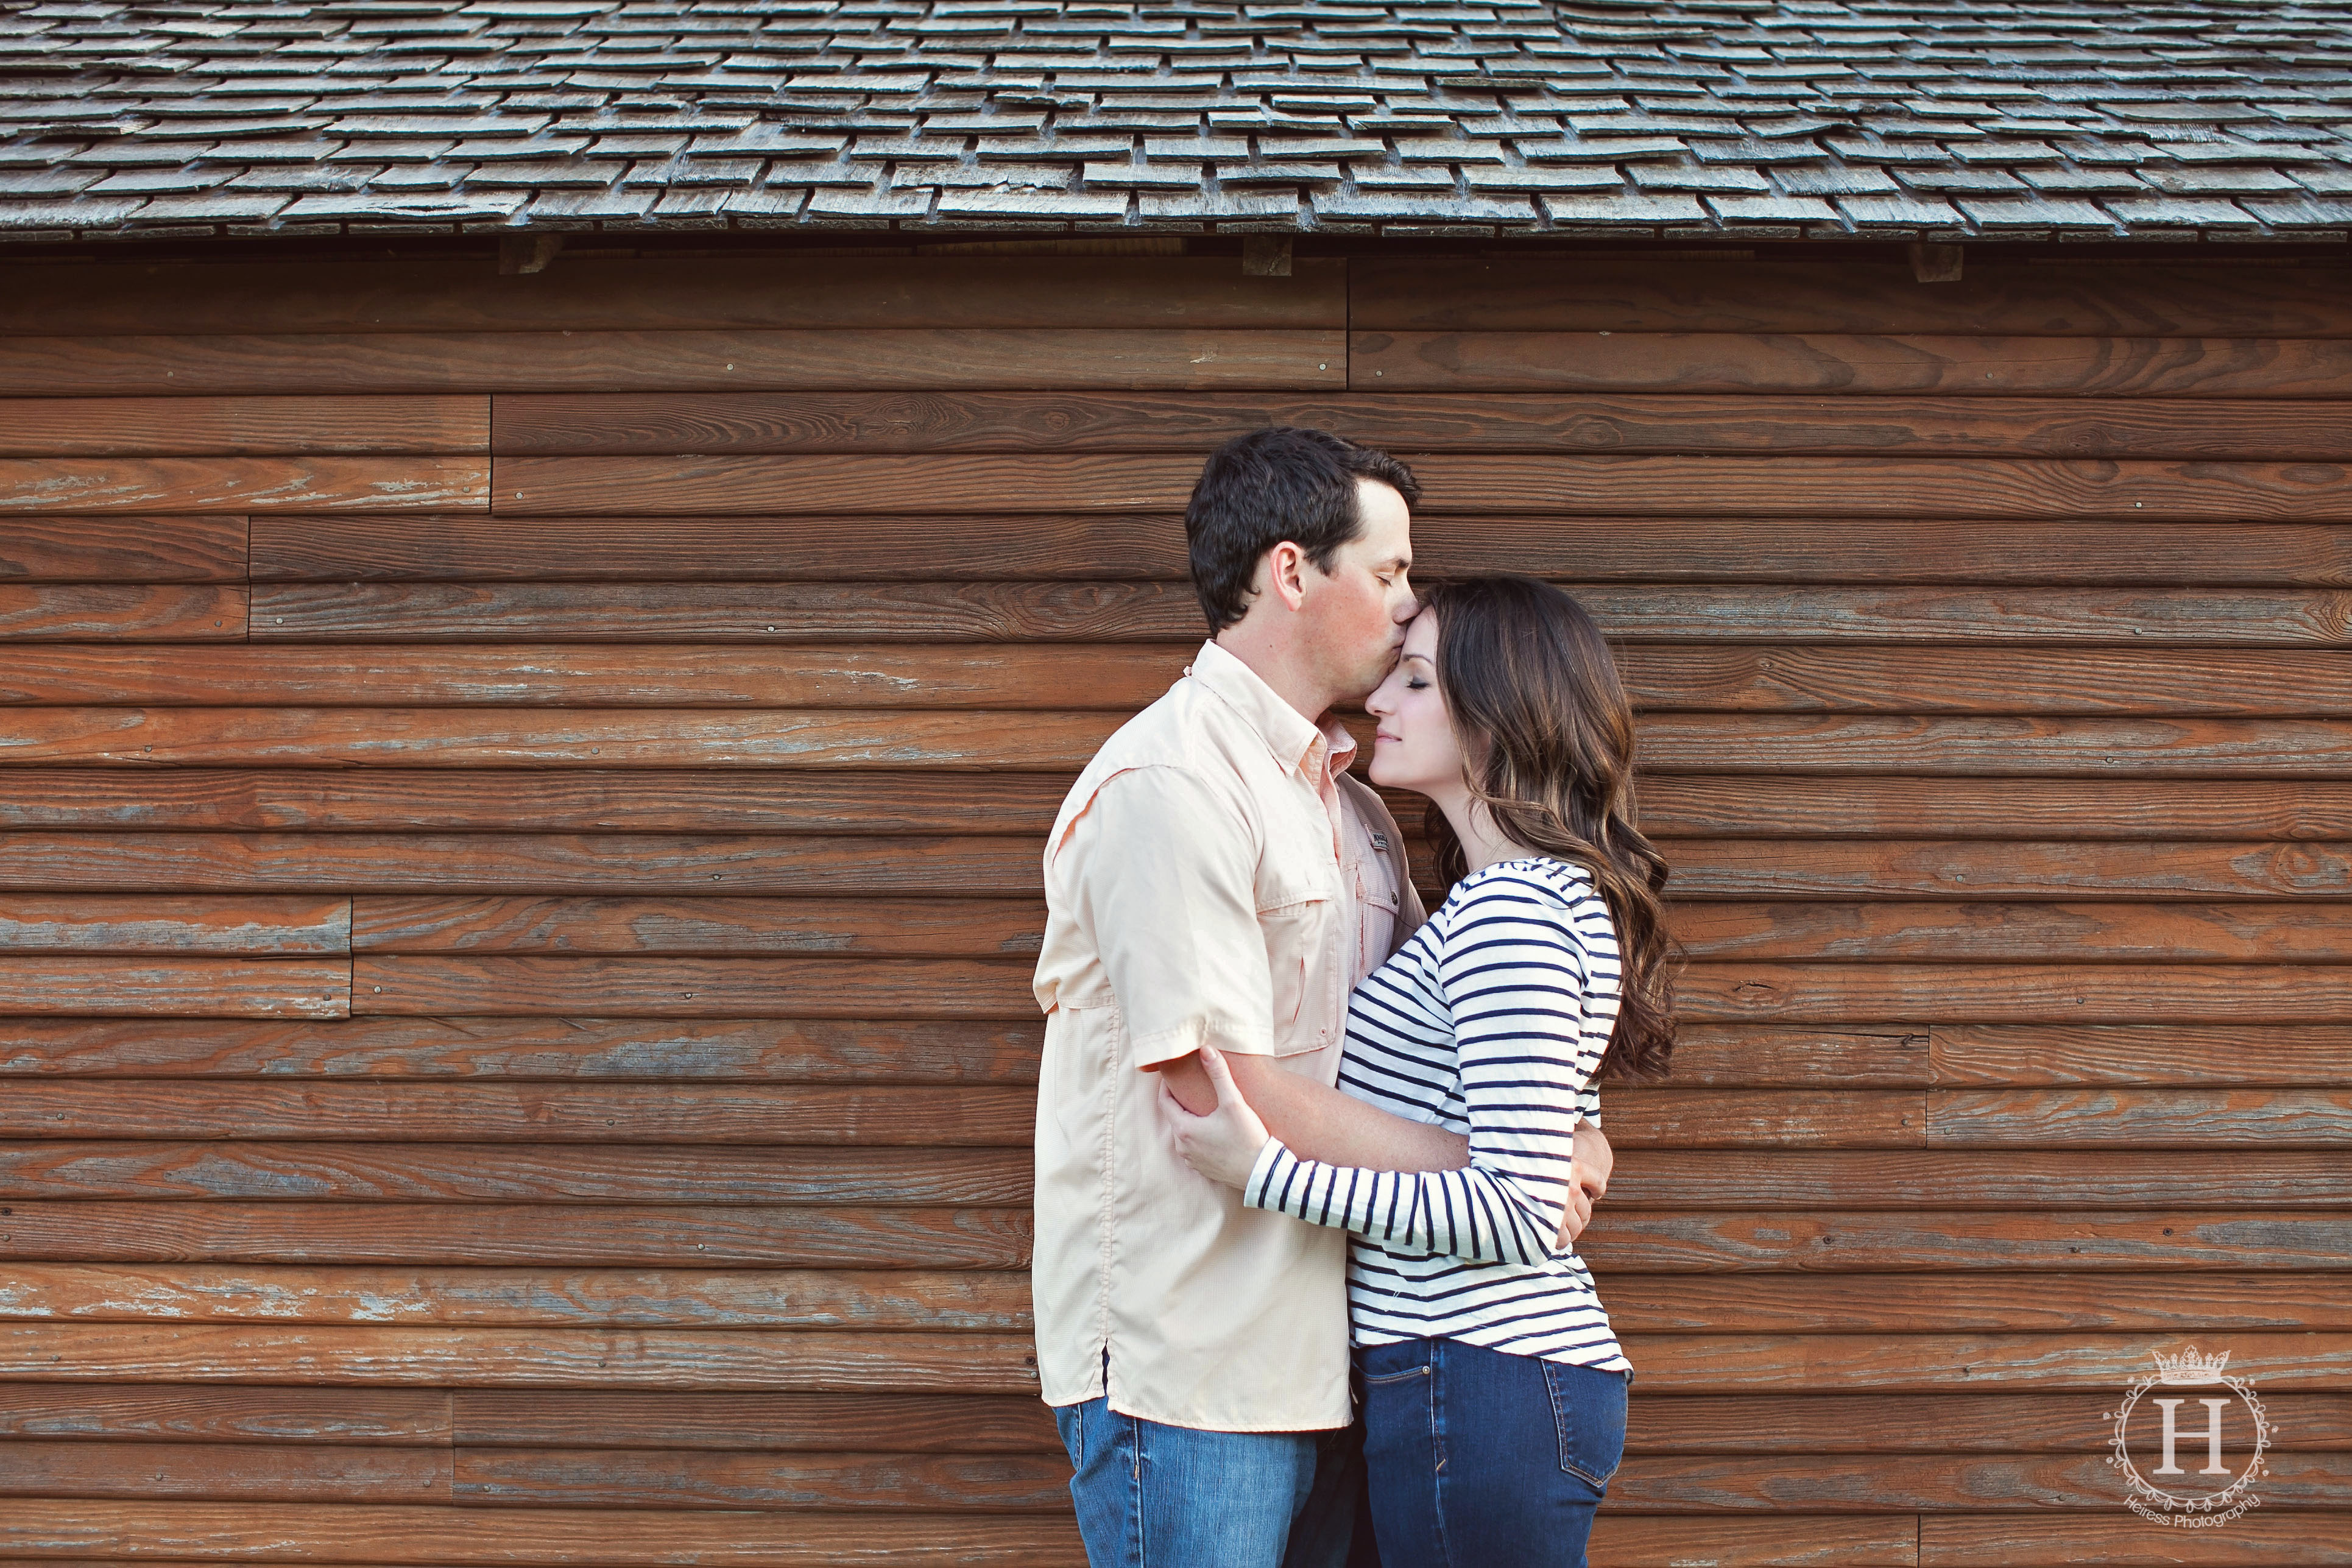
<point x="1547" y="735"/>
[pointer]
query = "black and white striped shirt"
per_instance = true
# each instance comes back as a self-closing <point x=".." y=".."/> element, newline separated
<point x="1489" y="1021"/>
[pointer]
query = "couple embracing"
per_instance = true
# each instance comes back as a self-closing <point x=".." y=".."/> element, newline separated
<point x="1282" y="1113"/>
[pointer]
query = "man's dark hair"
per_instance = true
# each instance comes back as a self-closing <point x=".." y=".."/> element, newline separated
<point x="1259" y="489"/>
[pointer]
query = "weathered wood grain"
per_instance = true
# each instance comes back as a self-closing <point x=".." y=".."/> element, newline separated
<point x="899" y="927"/>
<point x="2171" y="810"/>
<point x="379" y="1533"/>
<point x="2283" y="932"/>
<point x="283" y="364"/>
<point x="1737" y="1117"/>
<point x="1009" y="740"/>
<point x="963" y="534"/>
<point x="1006" y="866"/>
<point x="1980" y="747"/>
<point x="728" y="612"/>
<point x="904" y="1116"/>
<point x="1941" y="1423"/>
<point x="2038" y="488"/>
<point x="1680" y="542"/>
<point x="1988" y="993"/>
<point x="2042" y="490"/>
<point x="550" y="1173"/>
<point x="590" y="801"/>
<point x="1988" y="1054"/>
<point x="902" y="1422"/>
<point x="224" y="484"/>
<point x="1981" y="1301"/>
<point x="518" y="1236"/>
<point x="507" y="863"/>
<point x="1881" y="1055"/>
<point x="778" y="1050"/>
<point x="527" y="1357"/>
<point x="258" y="1472"/>
<point x="851" y="483"/>
<point x="1872" y="363"/>
<point x="118" y="923"/>
<point x="1980" y="868"/>
<point x="2144" y="1117"/>
<point x="2250" y="1541"/>
<point x="2099" y="1364"/>
<point x="2034" y="1242"/>
<point x="902" y="1300"/>
<point x="613" y="801"/>
<point x="1708" y="534"/>
<point x="240" y="426"/>
<point x="1642" y="294"/>
<point x="2143" y="617"/>
<point x="981" y="1364"/>
<point x="436" y="986"/>
<point x="1929" y="1485"/>
<point x="1060" y="742"/>
<point x="144" y="985"/>
<point x="103" y="613"/>
<point x="1112" y="677"/>
<point x="121" y="548"/>
<point x="2171" y="682"/>
<point x="1780" y="1422"/>
<point x="596" y="294"/>
<point x="852" y="1483"/>
<point x="1941" y="1178"/>
<point x="166" y="1413"/>
<point x="1621" y="1540"/>
<point x="1169" y="612"/>
<point x="614" y="423"/>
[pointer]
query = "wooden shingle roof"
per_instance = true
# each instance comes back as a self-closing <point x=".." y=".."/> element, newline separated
<point x="1705" y="118"/>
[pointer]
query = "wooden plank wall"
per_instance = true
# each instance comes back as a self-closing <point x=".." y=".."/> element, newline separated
<point x="517" y="874"/>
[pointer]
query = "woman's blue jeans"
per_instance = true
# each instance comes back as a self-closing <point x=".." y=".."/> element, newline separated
<point x="1474" y="1459"/>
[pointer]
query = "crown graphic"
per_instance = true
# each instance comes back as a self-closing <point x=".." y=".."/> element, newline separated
<point x="2188" y="1368"/>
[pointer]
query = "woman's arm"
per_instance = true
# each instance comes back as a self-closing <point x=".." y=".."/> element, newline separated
<point x="1318" y="1121"/>
<point x="1515" y="976"/>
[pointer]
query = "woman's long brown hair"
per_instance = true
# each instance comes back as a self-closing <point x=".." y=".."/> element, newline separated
<point x="1546" y="734"/>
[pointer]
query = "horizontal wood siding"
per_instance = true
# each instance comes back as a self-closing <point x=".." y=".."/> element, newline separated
<point x="517" y="875"/>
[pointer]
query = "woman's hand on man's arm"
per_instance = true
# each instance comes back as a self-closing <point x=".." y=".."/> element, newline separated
<point x="1320" y="1123"/>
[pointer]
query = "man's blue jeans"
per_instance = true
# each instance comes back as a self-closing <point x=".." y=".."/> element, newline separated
<point x="1151" y="1496"/>
<point x="1474" y="1459"/>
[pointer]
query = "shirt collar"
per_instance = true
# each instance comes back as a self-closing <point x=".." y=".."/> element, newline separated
<point x="1286" y="733"/>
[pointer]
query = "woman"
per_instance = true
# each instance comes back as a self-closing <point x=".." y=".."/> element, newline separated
<point x="1493" y="1390"/>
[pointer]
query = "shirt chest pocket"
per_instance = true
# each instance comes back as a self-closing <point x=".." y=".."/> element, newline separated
<point x="1300" y="919"/>
<point x="1376" y="877"/>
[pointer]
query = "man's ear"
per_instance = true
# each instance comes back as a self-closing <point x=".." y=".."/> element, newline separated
<point x="1285" y="571"/>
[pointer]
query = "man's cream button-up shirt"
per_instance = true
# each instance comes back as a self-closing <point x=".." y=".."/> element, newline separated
<point x="1214" y="879"/>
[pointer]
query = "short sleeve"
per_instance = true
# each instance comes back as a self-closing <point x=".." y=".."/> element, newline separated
<point x="1164" y="871"/>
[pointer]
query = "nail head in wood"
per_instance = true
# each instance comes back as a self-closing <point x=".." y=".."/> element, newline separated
<point x="1266" y="256"/>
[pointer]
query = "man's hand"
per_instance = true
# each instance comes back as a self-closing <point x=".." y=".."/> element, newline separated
<point x="1588" y="1179"/>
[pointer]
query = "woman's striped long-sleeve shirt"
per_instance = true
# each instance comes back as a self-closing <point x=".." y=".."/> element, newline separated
<point x="1489" y="1021"/>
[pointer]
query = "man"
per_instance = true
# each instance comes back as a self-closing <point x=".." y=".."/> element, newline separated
<point x="1215" y="878"/>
